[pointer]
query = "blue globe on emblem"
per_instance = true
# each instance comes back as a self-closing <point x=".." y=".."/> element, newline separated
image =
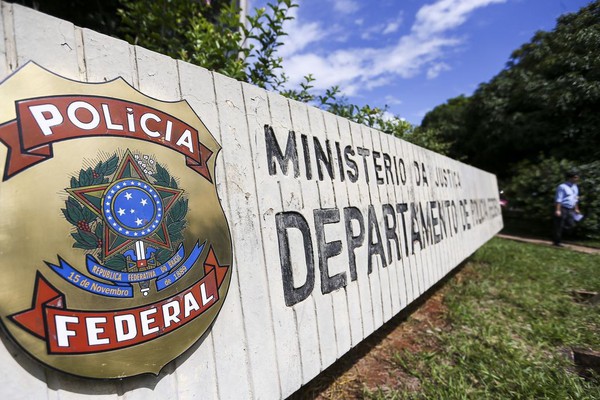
<point x="132" y="208"/>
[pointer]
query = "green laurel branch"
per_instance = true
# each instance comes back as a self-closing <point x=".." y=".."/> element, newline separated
<point x="88" y="234"/>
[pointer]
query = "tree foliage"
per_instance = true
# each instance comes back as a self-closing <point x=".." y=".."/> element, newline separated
<point x="545" y="101"/>
<point x="535" y="118"/>
<point x="446" y="125"/>
<point x="212" y="35"/>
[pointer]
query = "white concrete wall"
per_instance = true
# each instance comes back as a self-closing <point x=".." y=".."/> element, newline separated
<point x="260" y="347"/>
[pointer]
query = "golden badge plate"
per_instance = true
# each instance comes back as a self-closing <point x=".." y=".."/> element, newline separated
<point x="114" y="248"/>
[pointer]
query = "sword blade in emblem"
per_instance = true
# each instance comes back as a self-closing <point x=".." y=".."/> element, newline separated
<point x="141" y="262"/>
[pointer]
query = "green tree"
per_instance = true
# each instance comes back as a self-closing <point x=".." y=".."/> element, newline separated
<point x="211" y="35"/>
<point x="557" y="81"/>
<point x="544" y="102"/>
<point x="541" y="108"/>
<point x="446" y="126"/>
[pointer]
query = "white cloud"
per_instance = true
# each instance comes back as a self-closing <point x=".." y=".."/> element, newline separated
<point x="392" y="100"/>
<point x="356" y="69"/>
<point x="346" y="6"/>
<point x="340" y="68"/>
<point x="392" y="27"/>
<point x="377" y="82"/>
<point x="388" y="116"/>
<point x="299" y="35"/>
<point x="407" y="58"/>
<point x="386" y="28"/>
<point x="437" y="69"/>
<point x="444" y="15"/>
<point x="368" y="33"/>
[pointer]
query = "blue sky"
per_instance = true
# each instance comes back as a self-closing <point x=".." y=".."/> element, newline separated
<point x="410" y="54"/>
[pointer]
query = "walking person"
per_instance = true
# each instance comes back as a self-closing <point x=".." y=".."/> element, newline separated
<point x="566" y="206"/>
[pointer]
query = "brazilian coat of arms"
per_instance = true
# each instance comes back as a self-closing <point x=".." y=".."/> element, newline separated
<point x="115" y="248"/>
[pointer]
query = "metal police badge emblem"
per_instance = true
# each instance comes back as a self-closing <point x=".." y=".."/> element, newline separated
<point x="115" y="251"/>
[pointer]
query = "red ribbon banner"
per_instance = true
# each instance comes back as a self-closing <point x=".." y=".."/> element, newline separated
<point x="46" y="120"/>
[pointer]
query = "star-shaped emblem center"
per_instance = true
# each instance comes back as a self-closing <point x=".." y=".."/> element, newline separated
<point x="132" y="208"/>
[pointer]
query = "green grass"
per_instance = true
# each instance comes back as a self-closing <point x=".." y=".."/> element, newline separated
<point x="511" y="321"/>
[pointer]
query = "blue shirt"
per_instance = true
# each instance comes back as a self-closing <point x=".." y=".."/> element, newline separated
<point x="567" y="195"/>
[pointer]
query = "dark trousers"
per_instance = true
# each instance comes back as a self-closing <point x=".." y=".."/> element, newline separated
<point x="566" y="221"/>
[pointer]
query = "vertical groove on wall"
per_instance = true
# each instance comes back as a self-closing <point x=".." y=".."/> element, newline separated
<point x="382" y="272"/>
<point x="355" y="337"/>
<point x="228" y="209"/>
<point x="320" y="328"/>
<point x="387" y="272"/>
<point x="390" y="260"/>
<point x="9" y="36"/>
<point x="343" y="326"/>
<point x="299" y="308"/>
<point x="295" y="318"/>
<point x="303" y="378"/>
<point x="376" y="274"/>
<point x="262" y="239"/>
<point x="136" y="71"/>
<point x="237" y="261"/>
<point x="174" y="363"/>
<point x="351" y="290"/>
<point x="3" y="38"/>
<point x="396" y="193"/>
<point x="79" y="46"/>
<point x="358" y="199"/>
<point x="210" y="334"/>
<point x="289" y="352"/>
<point x="362" y="285"/>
